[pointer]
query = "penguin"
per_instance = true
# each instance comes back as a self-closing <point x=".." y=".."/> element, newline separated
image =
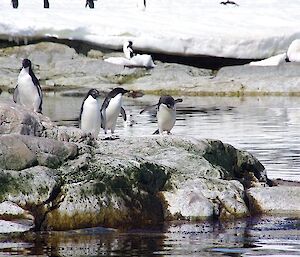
<point x="141" y="4"/>
<point x="229" y="2"/>
<point x="90" y="3"/>
<point x="166" y="113"/>
<point x="46" y="4"/>
<point x="111" y="108"/>
<point x="127" y="49"/>
<point x="90" y="116"/>
<point x="28" y="91"/>
<point x="15" y="3"/>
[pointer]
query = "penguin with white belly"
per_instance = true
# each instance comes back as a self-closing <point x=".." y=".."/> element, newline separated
<point x="166" y="113"/>
<point x="127" y="49"/>
<point x="111" y="109"/>
<point x="28" y="91"/>
<point x="90" y="116"/>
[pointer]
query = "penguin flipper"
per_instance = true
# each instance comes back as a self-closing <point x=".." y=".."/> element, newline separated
<point x="148" y="108"/>
<point x="123" y="114"/>
<point x="156" y="132"/>
<point x="16" y="96"/>
<point x="179" y="100"/>
<point x="103" y="120"/>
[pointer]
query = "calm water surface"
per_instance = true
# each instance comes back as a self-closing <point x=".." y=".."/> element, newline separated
<point x="268" y="127"/>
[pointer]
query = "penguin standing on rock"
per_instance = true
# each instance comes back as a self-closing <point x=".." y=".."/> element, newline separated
<point x="166" y="113"/>
<point x="90" y="117"/>
<point x="127" y="50"/>
<point x="111" y="109"/>
<point x="28" y="91"/>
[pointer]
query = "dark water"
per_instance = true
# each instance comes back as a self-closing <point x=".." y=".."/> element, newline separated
<point x="256" y="237"/>
<point x="268" y="127"/>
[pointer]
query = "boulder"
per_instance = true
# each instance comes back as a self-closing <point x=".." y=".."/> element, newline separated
<point x="65" y="180"/>
<point x="275" y="200"/>
<point x="17" y="119"/>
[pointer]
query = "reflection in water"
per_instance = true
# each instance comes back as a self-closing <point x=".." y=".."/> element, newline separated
<point x="268" y="127"/>
<point x="250" y="237"/>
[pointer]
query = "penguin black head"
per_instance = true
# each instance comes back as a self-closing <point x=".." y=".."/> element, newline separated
<point x="167" y="100"/>
<point x="94" y="93"/>
<point x="26" y="63"/>
<point x="129" y="44"/>
<point x="118" y="90"/>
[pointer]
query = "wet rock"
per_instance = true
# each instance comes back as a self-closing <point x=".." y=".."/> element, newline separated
<point x="66" y="180"/>
<point x="275" y="200"/>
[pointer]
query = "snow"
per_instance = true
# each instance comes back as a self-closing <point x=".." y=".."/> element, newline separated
<point x="254" y="29"/>
<point x="293" y="52"/>
<point x="272" y="61"/>
<point x="139" y="60"/>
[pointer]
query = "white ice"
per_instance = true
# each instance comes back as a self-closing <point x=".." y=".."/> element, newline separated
<point x="254" y="29"/>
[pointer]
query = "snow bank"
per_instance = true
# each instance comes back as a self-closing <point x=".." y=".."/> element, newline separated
<point x="254" y="29"/>
<point x="272" y="61"/>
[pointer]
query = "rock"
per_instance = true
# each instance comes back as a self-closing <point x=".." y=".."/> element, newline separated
<point x="57" y="66"/>
<point x="249" y="80"/>
<point x="65" y="180"/>
<point x="18" y="152"/>
<point x="16" y="119"/>
<point x="14" y="154"/>
<point x="95" y="54"/>
<point x="275" y="200"/>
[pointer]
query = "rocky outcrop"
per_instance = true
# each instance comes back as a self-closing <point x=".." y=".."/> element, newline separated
<point x="64" y="180"/>
<point x="61" y="67"/>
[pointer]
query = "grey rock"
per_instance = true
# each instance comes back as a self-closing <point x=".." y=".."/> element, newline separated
<point x="281" y="79"/>
<point x="16" y="119"/>
<point x="275" y="200"/>
<point x="14" y="154"/>
<point x="66" y="180"/>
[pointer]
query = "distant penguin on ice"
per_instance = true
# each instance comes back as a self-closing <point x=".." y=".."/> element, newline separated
<point x="15" y="3"/>
<point x="141" y="4"/>
<point x="90" y="116"/>
<point x="229" y="2"/>
<point x="28" y="91"/>
<point x="111" y="109"/>
<point x="46" y="4"/>
<point x="166" y="113"/>
<point x="127" y="49"/>
<point x="90" y="3"/>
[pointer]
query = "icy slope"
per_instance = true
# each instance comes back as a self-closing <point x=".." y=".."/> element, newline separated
<point x="254" y="29"/>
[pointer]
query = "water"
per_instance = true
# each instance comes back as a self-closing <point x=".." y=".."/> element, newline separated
<point x="268" y="127"/>
<point x="252" y="237"/>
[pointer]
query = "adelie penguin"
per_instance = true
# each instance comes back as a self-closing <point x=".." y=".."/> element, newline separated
<point x="90" y="3"/>
<point x="15" y="3"/>
<point x="166" y="113"/>
<point x="111" y="109"/>
<point x="127" y="50"/>
<point x="28" y="91"/>
<point x="90" y="117"/>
